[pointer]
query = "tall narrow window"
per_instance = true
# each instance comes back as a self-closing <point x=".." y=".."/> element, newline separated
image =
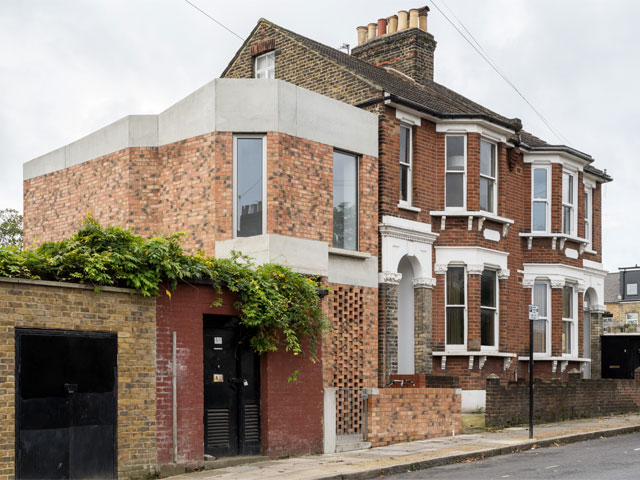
<point x="540" y="199"/>
<point x="489" y="310"/>
<point x="568" y="203"/>
<point x="456" y="306"/>
<point x="248" y="185"/>
<point x="541" y="327"/>
<point x="265" y="65"/>
<point x="488" y="190"/>
<point x="455" y="171"/>
<point x="406" y="157"/>
<point x="345" y="201"/>
<point x="588" y="217"/>
<point x="568" y="320"/>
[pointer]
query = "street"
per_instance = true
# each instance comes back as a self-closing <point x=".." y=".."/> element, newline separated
<point x="610" y="458"/>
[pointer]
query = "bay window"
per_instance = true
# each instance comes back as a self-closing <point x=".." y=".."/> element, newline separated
<point x="489" y="309"/>
<point x="406" y="160"/>
<point x="488" y="190"/>
<point x="541" y="327"/>
<point x="569" y="202"/>
<point x="540" y="199"/>
<point x="455" y="307"/>
<point x="345" y="200"/>
<point x="568" y="321"/>
<point x="455" y="178"/>
<point x="249" y="159"/>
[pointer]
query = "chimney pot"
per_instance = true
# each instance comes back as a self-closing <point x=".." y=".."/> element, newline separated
<point x="422" y="18"/>
<point x="413" y="18"/>
<point x="403" y="20"/>
<point x="393" y="24"/>
<point x="382" y="26"/>
<point x="362" y="34"/>
<point x="371" y="31"/>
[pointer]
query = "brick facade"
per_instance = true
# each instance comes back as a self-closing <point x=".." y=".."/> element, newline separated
<point x="553" y="401"/>
<point x="407" y="414"/>
<point x="71" y="307"/>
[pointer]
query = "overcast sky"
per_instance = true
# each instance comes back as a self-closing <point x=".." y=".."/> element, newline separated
<point x="69" y="67"/>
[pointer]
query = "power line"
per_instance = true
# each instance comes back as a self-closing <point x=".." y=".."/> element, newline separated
<point x="210" y="17"/>
<point x="485" y="56"/>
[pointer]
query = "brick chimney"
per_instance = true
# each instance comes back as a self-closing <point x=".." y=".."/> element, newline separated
<point x="405" y="45"/>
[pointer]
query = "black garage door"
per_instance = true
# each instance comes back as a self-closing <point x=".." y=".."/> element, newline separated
<point x="65" y="404"/>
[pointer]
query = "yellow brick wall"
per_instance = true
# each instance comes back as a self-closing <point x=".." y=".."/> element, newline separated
<point x="50" y="305"/>
<point x="620" y="310"/>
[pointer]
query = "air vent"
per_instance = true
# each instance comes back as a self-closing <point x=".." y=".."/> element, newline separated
<point x="251" y="423"/>
<point x="218" y="428"/>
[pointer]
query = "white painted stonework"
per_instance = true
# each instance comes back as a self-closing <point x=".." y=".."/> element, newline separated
<point x="492" y="235"/>
<point x="475" y="258"/>
<point x="590" y="277"/>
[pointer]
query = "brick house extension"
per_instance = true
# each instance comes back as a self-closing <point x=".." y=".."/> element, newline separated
<point x="477" y="217"/>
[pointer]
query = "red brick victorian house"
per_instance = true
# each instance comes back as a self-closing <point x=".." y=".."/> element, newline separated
<point x="435" y="221"/>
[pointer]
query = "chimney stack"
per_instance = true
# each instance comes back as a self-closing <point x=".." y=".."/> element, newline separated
<point x="400" y="42"/>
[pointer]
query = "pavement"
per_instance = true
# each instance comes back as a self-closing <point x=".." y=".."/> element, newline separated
<point x="421" y="454"/>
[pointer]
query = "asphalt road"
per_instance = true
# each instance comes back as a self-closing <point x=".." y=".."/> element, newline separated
<point x="609" y="459"/>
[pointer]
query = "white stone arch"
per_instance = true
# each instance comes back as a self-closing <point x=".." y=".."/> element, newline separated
<point x="591" y="299"/>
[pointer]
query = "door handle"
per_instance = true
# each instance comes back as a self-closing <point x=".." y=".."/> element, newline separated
<point x="243" y="381"/>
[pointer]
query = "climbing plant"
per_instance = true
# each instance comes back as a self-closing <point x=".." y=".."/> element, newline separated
<point x="277" y="305"/>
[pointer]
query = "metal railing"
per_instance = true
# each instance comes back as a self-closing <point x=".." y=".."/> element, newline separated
<point x="351" y="414"/>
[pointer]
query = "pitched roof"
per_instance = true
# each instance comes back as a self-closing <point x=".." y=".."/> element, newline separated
<point x="432" y="97"/>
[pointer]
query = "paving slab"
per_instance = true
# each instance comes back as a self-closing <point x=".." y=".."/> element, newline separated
<point x="421" y="454"/>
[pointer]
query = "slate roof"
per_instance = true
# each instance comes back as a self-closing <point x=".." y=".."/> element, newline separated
<point x="433" y="97"/>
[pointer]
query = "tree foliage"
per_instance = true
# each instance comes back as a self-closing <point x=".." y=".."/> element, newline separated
<point x="10" y="228"/>
<point x="277" y="306"/>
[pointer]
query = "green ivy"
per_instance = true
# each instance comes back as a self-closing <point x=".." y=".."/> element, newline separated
<point x="276" y="305"/>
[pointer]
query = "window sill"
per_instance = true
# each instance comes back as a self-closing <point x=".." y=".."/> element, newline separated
<point x="406" y="206"/>
<point x="590" y="252"/>
<point x="349" y="253"/>
<point x="481" y="216"/>
<point x="562" y="237"/>
<point x="483" y="355"/>
<point x="564" y="361"/>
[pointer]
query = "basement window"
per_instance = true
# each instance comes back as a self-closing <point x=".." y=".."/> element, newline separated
<point x="265" y="65"/>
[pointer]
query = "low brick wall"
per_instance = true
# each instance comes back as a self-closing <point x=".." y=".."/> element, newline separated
<point x="554" y="400"/>
<point x="404" y="414"/>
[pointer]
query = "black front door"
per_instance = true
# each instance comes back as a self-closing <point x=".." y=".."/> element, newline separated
<point x="620" y="356"/>
<point x="65" y="404"/>
<point x="231" y="389"/>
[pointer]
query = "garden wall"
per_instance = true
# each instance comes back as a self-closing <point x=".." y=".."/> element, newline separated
<point x="553" y="401"/>
<point x="404" y="414"/>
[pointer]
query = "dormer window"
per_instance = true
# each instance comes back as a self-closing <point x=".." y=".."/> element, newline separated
<point x="488" y="190"/>
<point x="569" y="202"/>
<point x="455" y="178"/>
<point x="265" y="65"/>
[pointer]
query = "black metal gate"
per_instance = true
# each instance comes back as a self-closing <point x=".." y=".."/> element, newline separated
<point x="65" y="404"/>
<point x="231" y="389"/>
<point x="620" y="355"/>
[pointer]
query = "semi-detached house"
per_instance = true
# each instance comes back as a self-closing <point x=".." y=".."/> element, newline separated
<point x="434" y="220"/>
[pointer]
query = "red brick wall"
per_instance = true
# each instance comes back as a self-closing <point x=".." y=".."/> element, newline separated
<point x="291" y="412"/>
<point x="406" y="414"/>
<point x="553" y="401"/>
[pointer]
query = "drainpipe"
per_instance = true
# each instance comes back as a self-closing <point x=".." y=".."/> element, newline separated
<point x="175" y="397"/>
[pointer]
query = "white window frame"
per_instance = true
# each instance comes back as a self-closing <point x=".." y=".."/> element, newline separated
<point x="464" y="173"/>
<point x="235" y="180"/>
<point x="573" y="206"/>
<point x="548" y="318"/>
<point x="496" y="318"/>
<point x="547" y="200"/>
<point x="456" y="346"/>
<point x="409" y="200"/>
<point x="588" y="217"/>
<point x="494" y="179"/>
<point x="573" y="321"/>
<point x="270" y="70"/>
